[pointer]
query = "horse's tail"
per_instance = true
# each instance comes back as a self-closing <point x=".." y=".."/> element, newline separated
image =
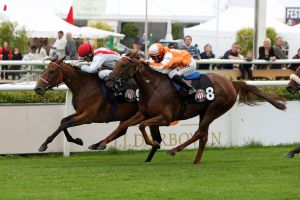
<point x="245" y="90"/>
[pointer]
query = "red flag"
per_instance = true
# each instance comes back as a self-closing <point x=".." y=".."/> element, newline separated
<point x="5" y="8"/>
<point x="70" y="18"/>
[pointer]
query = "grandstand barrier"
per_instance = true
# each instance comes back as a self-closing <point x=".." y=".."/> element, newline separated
<point x="36" y="122"/>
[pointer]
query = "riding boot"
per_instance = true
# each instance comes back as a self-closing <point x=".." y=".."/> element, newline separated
<point x="188" y="87"/>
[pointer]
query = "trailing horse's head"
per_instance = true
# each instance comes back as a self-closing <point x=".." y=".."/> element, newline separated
<point x="51" y="77"/>
<point x="124" y="69"/>
<point x="294" y="84"/>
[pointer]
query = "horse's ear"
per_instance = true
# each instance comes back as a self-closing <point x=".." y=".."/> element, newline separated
<point x="61" y="60"/>
<point x="54" y="59"/>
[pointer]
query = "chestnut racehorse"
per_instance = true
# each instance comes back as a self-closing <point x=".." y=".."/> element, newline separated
<point x="89" y="101"/>
<point x="160" y="103"/>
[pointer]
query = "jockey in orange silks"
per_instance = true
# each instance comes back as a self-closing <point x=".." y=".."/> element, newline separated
<point x="173" y="62"/>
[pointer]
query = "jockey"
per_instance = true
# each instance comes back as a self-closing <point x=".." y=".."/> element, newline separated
<point x="102" y="60"/>
<point x="173" y="62"/>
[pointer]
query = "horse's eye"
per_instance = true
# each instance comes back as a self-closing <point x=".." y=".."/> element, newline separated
<point x="51" y="71"/>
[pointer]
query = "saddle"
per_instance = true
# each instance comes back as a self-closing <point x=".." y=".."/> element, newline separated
<point x="126" y="93"/>
<point x="201" y="82"/>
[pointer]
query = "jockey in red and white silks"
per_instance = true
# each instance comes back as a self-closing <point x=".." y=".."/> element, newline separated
<point x="103" y="60"/>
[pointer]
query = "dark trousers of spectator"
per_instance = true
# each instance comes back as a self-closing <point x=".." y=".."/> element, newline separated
<point x="246" y="68"/>
<point x="15" y="74"/>
<point x="4" y="67"/>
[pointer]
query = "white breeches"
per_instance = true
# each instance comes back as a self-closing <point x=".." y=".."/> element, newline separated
<point x="182" y="70"/>
<point x="103" y="74"/>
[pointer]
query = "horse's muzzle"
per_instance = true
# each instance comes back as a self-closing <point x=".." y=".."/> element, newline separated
<point x="291" y="89"/>
<point x="39" y="91"/>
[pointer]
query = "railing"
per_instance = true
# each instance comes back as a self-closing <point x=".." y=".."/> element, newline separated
<point x="29" y="86"/>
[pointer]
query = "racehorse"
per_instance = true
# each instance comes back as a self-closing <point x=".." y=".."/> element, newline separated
<point x="160" y="103"/>
<point x="89" y="101"/>
<point x="293" y="87"/>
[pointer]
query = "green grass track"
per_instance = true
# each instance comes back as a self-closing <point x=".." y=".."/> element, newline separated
<point x="224" y="173"/>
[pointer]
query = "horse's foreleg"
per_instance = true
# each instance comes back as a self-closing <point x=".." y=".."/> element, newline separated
<point x="70" y="121"/>
<point x="136" y="119"/>
<point x="157" y="120"/>
<point x="95" y="146"/>
<point x="155" y="134"/>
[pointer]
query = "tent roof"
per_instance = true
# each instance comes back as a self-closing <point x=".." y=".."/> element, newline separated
<point x="162" y="10"/>
<point x="43" y="23"/>
<point x="236" y="18"/>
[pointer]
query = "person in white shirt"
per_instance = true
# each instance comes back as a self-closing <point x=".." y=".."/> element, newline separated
<point x="41" y="51"/>
<point x="60" y="45"/>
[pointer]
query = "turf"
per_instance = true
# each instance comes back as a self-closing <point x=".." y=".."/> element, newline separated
<point x="226" y="173"/>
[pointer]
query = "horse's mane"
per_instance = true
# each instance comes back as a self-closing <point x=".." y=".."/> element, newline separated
<point x="137" y="56"/>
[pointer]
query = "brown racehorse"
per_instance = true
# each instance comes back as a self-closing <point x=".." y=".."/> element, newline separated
<point x="293" y="87"/>
<point x="160" y="103"/>
<point x="90" y="103"/>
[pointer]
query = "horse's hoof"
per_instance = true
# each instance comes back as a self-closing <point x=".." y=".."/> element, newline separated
<point x="289" y="155"/>
<point x="78" y="141"/>
<point x="93" y="147"/>
<point x="43" y="148"/>
<point x="147" y="160"/>
<point x="156" y="144"/>
<point x="171" y="153"/>
<point x="101" y="147"/>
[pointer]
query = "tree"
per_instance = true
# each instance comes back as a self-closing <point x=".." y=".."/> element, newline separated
<point x="15" y="36"/>
<point x="103" y="26"/>
<point x="131" y="31"/>
<point x="245" y="38"/>
<point x="177" y="30"/>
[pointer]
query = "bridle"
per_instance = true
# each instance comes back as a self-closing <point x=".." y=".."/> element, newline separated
<point x="49" y="84"/>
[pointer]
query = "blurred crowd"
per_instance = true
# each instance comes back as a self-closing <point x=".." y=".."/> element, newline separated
<point x="65" y="46"/>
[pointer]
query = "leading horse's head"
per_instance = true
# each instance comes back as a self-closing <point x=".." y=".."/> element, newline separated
<point x="124" y="69"/>
<point x="294" y="84"/>
<point x="51" y="77"/>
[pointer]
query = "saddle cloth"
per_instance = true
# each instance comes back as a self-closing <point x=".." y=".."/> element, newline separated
<point x="201" y="82"/>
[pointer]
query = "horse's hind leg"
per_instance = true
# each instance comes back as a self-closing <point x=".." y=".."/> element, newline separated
<point x="293" y="152"/>
<point x="202" y="144"/>
<point x="155" y="134"/>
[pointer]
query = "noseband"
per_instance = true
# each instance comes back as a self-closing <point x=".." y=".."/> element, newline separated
<point x="48" y="83"/>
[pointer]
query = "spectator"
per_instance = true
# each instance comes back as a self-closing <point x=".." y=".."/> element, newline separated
<point x="231" y="54"/>
<point x="278" y="51"/>
<point x="239" y="55"/>
<point x="59" y="45"/>
<point x="247" y="67"/>
<point x="41" y="52"/>
<point x="16" y="56"/>
<point x="266" y="52"/>
<point x="190" y="48"/>
<point x="171" y="45"/>
<point x="5" y="54"/>
<point x="206" y="54"/>
<point x="71" y="50"/>
<point x="294" y="66"/>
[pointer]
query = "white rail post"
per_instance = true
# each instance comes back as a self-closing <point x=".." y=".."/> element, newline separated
<point x="68" y="111"/>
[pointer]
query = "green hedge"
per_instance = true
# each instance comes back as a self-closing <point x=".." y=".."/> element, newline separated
<point x="59" y="96"/>
<point x="31" y="97"/>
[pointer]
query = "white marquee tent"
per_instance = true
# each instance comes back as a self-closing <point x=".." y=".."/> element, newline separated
<point x="231" y="21"/>
<point x="43" y="23"/>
